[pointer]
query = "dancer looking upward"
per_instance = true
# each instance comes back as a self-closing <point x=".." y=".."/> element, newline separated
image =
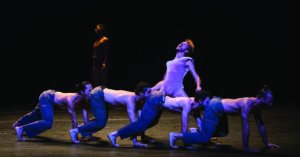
<point x="172" y="84"/>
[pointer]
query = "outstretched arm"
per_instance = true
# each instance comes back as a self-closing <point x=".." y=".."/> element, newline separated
<point x="85" y="115"/>
<point x="195" y="75"/>
<point x="196" y="114"/>
<point x="130" y="110"/>
<point x="245" y="124"/>
<point x="131" y="105"/>
<point x="199" y="121"/>
<point x="262" y="129"/>
<point x="245" y="111"/>
<point x="72" y="114"/>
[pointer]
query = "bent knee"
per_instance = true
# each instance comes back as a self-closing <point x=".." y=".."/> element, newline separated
<point x="48" y="124"/>
<point x="100" y="124"/>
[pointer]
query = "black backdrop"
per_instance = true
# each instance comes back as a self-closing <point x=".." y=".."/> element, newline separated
<point x="238" y="46"/>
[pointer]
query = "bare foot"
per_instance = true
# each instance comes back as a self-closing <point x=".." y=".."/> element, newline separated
<point x="19" y="131"/>
<point x="137" y="144"/>
<point x="73" y="135"/>
<point x="112" y="137"/>
<point x="172" y="140"/>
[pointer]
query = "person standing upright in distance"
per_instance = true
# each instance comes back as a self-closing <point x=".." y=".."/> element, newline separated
<point x="172" y="84"/>
<point x="100" y="57"/>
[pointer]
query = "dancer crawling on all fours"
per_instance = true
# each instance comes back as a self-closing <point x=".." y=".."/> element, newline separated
<point x="101" y="99"/>
<point x="172" y="84"/>
<point x="215" y="112"/>
<point x="41" y="118"/>
<point x="152" y="110"/>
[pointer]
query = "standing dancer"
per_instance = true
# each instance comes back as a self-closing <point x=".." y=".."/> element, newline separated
<point x="100" y="57"/>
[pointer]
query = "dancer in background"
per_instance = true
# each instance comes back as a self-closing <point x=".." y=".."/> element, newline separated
<point x="41" y="118"/>
<point x="100" y="57"/>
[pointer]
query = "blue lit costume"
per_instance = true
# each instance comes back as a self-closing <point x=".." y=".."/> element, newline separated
<point x="99" y="111"/>
<point x="149" y="117"/>
<point x="41" y="118"/>
<point x="214" y="124"/>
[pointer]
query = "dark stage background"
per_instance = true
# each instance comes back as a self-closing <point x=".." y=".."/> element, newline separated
<point x="239" y="47"/>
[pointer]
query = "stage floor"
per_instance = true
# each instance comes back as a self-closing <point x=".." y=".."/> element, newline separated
<point x="281" y="120"/>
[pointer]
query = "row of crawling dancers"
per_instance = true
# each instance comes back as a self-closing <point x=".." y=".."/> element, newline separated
<point x="150" y="101"/>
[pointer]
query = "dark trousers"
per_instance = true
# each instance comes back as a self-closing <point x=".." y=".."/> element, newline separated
<point x="99" y="73"/>
<point x="149" y="117"/>
<point x="41" y="118"/>
<point x="99" y="111"/>
<point x="214" y="123"/>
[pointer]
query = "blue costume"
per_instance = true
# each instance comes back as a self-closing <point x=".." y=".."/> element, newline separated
<point x="99" y="111"/>
<point x="41" y="118"/>
<point x="149" y="117"/>
<point x="214" y="123"/>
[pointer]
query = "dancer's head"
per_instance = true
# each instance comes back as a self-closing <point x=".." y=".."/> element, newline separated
<point x="143" y="89"/>
<point x="100" y="28"/>
<point x="84" y="89"/>
<point x="187" y="47"/>
<point x="265" y="96"/>
<point x="202" y="97"/>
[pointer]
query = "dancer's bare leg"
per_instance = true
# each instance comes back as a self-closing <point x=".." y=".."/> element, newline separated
<point x="112" y="137"/>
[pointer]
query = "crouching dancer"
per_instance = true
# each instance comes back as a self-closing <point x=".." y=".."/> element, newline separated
<point x="41" y="118"/>
<point x="217" y="108"/>
<point x="152" y="110"/>
<point x="101" y="99"/>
